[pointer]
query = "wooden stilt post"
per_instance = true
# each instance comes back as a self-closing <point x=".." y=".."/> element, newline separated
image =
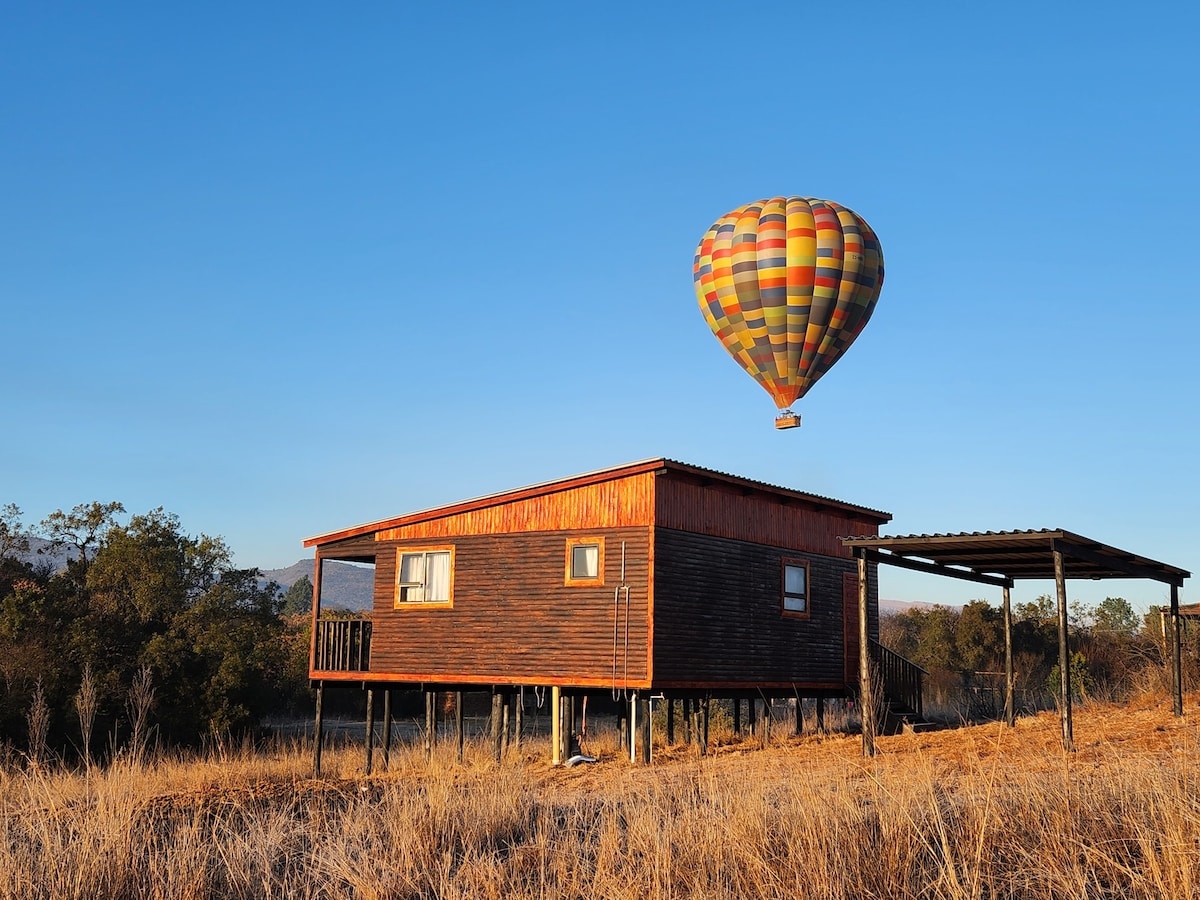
<point x="798" y="723"/>
<point x="567" y="728"/>
<point x="497" y="716"/>
<point x="697" y="728"/>
<point x="670" y="723"/>
<point x="687" y="720"/>
<point x="820" y="715"/>
<point x="1064" y="655"/>
<point x="1010" y="710"/>
<point x="764" y="724"/>
<point x="572" y="727"/>
<point x="866" y="699"/>
<point x="387" y="729"/>
<point x="623" y="726"/>
<point x="1176" y="662"/>
<point x="370" y="730"/>
<point x="705" y="720"/>
<point x="555" y="725"/>
<point x="737" y="716"/>
<point x="430" y="722"/>
<point x="318" y="736"/>
<point x="520" y="723"/>
<point x="506" y="725"/>
<point x="460" y="733"/>
<point x="643" y="729"/>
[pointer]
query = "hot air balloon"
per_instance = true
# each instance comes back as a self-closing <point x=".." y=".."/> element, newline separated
<point x="786" y="285"/>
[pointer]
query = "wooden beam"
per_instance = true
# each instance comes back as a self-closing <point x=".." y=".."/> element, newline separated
<point x="1064" y="655"/>
<point x="916" y="565"/>
<point x="1125" y="567"/>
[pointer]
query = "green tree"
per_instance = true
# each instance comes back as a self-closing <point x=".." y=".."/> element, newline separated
<point x="14" y="539"/>
<point x="299" y="597"/>
<point x="1115" y="616"/>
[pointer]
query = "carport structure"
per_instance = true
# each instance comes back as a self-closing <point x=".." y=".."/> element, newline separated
<point x="1001" y="558"/>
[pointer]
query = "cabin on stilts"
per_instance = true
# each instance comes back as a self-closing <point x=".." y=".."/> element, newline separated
<point x="654" y="579"/>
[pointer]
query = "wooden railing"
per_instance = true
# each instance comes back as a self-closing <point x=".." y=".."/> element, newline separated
<point x="343" y="645"/>
<point x="900" y="678"/>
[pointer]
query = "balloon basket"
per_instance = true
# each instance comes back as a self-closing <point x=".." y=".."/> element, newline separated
<point x="787" y="419"/>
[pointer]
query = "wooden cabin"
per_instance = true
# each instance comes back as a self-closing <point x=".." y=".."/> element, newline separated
<point x="656" y="576"/>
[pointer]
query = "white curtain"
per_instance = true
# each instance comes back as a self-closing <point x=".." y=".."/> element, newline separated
<point x="437" y="580"/>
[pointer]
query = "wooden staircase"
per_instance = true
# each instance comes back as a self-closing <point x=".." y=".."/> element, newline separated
<point x="901" y="703"/>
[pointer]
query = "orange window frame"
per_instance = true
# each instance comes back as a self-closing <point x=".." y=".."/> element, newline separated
<point x="572" y="543"/>
<point x="397" y="603"/>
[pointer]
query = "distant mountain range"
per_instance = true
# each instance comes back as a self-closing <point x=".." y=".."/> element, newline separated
<point x="346" y="586"/>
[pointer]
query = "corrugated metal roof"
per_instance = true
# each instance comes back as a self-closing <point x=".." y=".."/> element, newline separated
<point x="1020" y="554"/>
<point x="598" y="475"/>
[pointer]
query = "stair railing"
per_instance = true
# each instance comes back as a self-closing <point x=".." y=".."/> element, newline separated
<point x="902" y="679"/>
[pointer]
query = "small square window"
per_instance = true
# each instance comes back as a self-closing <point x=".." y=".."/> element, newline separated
<point x="795" y="588"/>
<point x="585" y="561"/>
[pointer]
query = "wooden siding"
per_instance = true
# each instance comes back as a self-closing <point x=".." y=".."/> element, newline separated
<point x="619" y="503"/>
<point x="718" y="620"/>
<point x="513" y="621"/>
<point x="716" y="508"/>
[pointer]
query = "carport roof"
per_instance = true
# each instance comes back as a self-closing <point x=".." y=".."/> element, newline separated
<point x="1001" y="557"/>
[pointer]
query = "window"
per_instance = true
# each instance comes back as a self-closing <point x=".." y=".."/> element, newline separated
<point x="795" y="588"/>
<point x="585" y="561"/>
<point x="425" y="575"/>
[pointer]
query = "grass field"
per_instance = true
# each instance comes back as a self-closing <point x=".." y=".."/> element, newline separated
<point x="979" y="812"/>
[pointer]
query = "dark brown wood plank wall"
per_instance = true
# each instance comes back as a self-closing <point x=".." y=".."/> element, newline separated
<point x="718" y="619"/>
<point x="730" y="511"/>
<point x="513" y="620"/>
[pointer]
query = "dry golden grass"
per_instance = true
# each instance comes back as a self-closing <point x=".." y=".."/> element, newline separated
<point x="982" y="812"/>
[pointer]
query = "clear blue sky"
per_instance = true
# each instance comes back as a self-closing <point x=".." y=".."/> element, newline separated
<point x="287" y="268"/>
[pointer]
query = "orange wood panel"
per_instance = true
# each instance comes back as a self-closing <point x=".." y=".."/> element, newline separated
<point x="621" y="503"/>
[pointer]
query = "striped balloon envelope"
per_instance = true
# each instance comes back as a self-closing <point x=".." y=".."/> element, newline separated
<point x="786" y="285"/>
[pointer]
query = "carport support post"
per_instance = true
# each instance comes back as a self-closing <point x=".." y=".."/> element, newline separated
<point x="865" y="701"/>
<point x="1064" y="656"/>
<point x="1010" y="713"/>
<point x="555" y="725"/>
<point x="1176" y="670"/>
